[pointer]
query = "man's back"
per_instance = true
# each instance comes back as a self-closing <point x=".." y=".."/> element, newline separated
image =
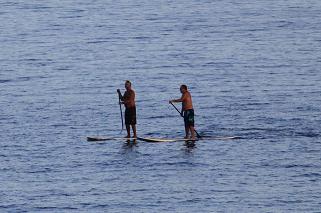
<point x="187" y="103"/>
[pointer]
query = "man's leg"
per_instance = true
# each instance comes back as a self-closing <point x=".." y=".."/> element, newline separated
<point x="128" y="131"/>
<point x="186" y="131"/>
<point x="190" y="121"/>
<point x="134" y="130"/>
<point x="192" y="129"/>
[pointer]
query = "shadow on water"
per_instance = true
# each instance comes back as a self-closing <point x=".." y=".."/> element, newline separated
<point x="189" y="146"/>
<point x="129" y="146"/>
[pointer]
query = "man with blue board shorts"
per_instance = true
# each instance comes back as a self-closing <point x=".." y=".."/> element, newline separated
<point x="187" y="111"/>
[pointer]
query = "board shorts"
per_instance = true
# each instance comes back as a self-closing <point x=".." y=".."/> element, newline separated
<point x="130" y="116"/>
<point x="188" y="117"/>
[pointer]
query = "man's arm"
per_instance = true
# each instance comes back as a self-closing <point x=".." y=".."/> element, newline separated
<point x="178" y="100"/>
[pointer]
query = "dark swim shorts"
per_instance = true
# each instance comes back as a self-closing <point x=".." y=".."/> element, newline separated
<point x="130" y="116"/>
<point x="189" y="117"/>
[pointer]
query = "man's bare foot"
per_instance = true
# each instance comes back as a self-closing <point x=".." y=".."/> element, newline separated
<point x="135" y="136"/>
<point x="127" y="136"/>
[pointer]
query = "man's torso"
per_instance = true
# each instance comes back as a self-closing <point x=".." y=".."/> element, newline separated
<point x="129" y="98"/>
<point x="187" y="101"/>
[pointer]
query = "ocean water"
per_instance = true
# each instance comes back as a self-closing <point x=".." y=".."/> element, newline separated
<point x="253" y="69"/>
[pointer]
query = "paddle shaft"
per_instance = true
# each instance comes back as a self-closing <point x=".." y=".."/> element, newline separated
<point x="121" y="114"/>
<point x="198" y="135"/>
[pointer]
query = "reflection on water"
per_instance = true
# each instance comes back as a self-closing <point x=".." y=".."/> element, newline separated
<point x="129" y="146"/>
<point x="189" y="146"/>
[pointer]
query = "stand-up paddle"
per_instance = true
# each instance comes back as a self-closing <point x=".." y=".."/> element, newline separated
<point x="121" y="114"/>
<point x="198" y="135"/>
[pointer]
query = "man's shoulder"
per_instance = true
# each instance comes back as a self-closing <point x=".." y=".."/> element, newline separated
<point x="130" y="92"/>
<point x="187" y="93"/>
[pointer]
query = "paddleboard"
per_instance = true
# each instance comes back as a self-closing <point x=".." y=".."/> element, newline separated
<point x="156" y="140"/>
<point x="98" y="138"/>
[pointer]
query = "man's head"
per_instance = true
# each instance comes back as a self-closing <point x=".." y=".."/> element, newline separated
<point x="183" y="88"/>
<point x="128" y="84"/>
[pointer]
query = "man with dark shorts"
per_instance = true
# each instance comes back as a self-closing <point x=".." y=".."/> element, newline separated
<point x="187" y="111"/>
<point x="128" y="99"/>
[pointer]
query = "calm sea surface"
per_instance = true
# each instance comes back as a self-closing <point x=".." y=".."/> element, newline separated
<point x="252" y="67"/>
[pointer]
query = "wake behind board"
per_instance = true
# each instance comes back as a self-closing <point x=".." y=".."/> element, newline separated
<point x="220" y="138"/>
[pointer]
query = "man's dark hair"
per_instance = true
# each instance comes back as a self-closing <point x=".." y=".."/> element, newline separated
<point x="184" y="86"/>
<point x="128" y="82"/>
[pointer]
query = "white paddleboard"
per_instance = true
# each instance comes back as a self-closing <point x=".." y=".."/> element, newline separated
<point x="100" y="138"/>
<point x="155" y="140"/>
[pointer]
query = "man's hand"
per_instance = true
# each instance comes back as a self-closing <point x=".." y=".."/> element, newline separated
<point x="170" y="101"/>
<point x="119" y="93"/>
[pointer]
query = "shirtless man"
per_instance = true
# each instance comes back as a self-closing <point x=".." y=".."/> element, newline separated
<point x="187" y="111"/>
<point x="128" y="99"/>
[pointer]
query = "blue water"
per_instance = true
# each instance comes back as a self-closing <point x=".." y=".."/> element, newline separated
<point x="252" y="67"/>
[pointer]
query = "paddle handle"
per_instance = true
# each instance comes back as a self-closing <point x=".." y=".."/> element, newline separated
<point x="198" y="135"/>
